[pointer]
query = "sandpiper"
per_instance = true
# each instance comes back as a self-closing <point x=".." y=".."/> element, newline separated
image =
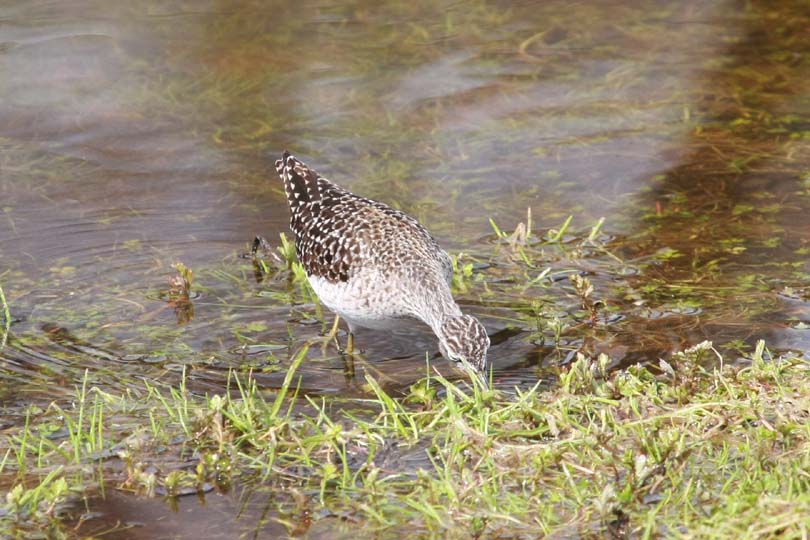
<point x="375" y="266"/>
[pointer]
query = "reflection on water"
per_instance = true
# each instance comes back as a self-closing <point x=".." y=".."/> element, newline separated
<point x="136" y="135"/>
<point x="247" y="513"/>
<point x="208" y="516"/>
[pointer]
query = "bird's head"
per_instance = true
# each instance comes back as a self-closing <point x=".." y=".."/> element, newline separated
<point x="464" y="338"/>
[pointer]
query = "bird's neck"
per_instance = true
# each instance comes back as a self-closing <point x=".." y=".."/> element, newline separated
<point x="438" y="306"/>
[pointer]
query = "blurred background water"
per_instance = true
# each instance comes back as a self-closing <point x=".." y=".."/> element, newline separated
<point x="134" y="135"/>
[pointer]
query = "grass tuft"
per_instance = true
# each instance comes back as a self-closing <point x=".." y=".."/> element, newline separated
<point x="695" y="450"/>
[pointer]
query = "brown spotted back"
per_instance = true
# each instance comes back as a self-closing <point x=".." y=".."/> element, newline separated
<point x="336" y="232"/>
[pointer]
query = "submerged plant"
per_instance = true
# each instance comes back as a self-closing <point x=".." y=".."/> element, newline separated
<point x="179" y="293"/>
<point x="584" y="289"/>
<point x="180" y="285"/>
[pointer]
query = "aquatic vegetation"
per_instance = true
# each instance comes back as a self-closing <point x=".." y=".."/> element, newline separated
<point x="6" y="319"/>
<point x="696" y="449"/>
<point x="179" y="294"/>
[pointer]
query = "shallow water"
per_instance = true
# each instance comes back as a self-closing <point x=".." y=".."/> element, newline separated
<point x="137" y="135"/>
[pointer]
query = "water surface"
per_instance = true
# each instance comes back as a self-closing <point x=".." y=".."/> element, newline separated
<point x="137" y="135"/>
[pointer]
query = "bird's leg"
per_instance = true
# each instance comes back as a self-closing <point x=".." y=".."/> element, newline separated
<point x="350" y="343"/>
<point x="349" y="356"/>
<point x="332" y="335"/>
<point x="348" y="367"/>
<point x="348" y="353"/>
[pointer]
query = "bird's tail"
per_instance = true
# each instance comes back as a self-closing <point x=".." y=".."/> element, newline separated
<point x="301" y="184"/>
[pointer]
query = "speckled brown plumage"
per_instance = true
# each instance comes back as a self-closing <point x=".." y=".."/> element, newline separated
<point x="335" y="228"/>
<point x="374" y="265"/>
